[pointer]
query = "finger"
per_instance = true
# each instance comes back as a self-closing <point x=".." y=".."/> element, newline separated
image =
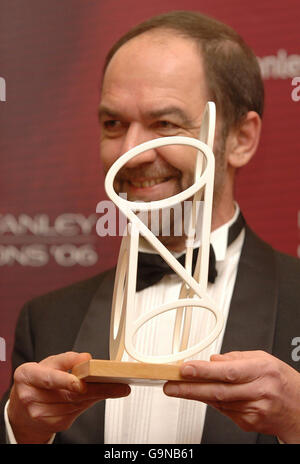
<point x="39" y="376"/>
<point x="107" y="390"/>
<point x="238" y="355"/>
<point x="47" y="421"/>
<point x="236" y="371"/>
<point x="233" y="355"/>
<point x="248" y="415"/>
<point x="70" y="403"/>
<point x="242" y="407"/>
<point x="213" y="392"/>
<point x="92" y="392"/>
<point x="65" y="361"/>
<point x="44" y="411"/>
<point x="95" y="392"/>
<point x="242" y="420"/>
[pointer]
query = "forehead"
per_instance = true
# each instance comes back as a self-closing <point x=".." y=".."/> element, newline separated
<point x="157" y="65"/>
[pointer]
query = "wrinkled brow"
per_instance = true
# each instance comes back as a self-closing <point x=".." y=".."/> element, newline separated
<point x="169" y="111"/>
<point x="105" y="111"/>
<point x="152" y="114"/>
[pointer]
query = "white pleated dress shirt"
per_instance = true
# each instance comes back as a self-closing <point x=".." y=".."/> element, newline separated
<point x="147" y="415"/>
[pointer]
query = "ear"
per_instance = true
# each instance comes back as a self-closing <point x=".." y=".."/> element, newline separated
<point x="243" y="140"/>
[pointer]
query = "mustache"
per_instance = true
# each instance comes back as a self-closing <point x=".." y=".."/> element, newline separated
<point x="147" y="172"/>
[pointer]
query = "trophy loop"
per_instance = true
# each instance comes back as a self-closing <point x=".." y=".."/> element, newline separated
<point x="193" y="291"/>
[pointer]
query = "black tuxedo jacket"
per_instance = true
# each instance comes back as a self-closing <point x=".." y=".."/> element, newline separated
<point x="264" y="315"/>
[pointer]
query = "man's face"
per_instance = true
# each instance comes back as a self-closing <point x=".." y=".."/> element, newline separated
<point x="153" y="87"/>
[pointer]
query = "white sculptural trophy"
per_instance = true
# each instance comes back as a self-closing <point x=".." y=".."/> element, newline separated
<point x="146" y="369"/>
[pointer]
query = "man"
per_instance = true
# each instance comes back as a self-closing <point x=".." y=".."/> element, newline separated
<point x="156" y="83"/>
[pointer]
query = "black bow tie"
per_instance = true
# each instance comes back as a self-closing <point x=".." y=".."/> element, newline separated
<point x="152" y="268"/>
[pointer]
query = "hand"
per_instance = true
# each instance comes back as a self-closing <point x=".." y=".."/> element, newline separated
<point x="256" y="390"/>
<point x="46" y="399"/>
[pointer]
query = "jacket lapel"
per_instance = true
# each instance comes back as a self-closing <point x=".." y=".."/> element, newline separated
<point x="93" y="338"/>
<point x="250" y="326"/>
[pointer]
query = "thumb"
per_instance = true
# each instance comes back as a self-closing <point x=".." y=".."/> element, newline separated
<point x="65" y="361"/>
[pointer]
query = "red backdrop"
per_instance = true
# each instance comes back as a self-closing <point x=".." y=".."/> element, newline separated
<point x="51" y="54"/>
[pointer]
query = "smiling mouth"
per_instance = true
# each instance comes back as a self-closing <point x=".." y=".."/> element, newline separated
<point x="148" y="182"/>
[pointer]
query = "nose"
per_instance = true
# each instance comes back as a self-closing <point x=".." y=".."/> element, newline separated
<point x="136" y="135"/>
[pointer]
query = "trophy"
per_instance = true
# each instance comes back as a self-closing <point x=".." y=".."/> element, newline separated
<point x="146" y="369"/>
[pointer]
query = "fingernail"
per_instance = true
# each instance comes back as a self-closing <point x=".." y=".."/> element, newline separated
<point x="77" y="386"/>
<point x="171" y="390"/>
<point x="189" y="371"/>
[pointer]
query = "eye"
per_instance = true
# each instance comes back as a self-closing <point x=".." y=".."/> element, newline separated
<point x="111" y="124"/>
<point x="165" y="127"/>
<point x="165" y="124"/>
<point x="113" y="127"/>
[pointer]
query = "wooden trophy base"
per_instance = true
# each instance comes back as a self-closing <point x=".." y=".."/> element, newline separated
<point x="133" y="373"/>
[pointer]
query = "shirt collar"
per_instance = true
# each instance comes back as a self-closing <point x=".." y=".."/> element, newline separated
<point x="219" y="237"/>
